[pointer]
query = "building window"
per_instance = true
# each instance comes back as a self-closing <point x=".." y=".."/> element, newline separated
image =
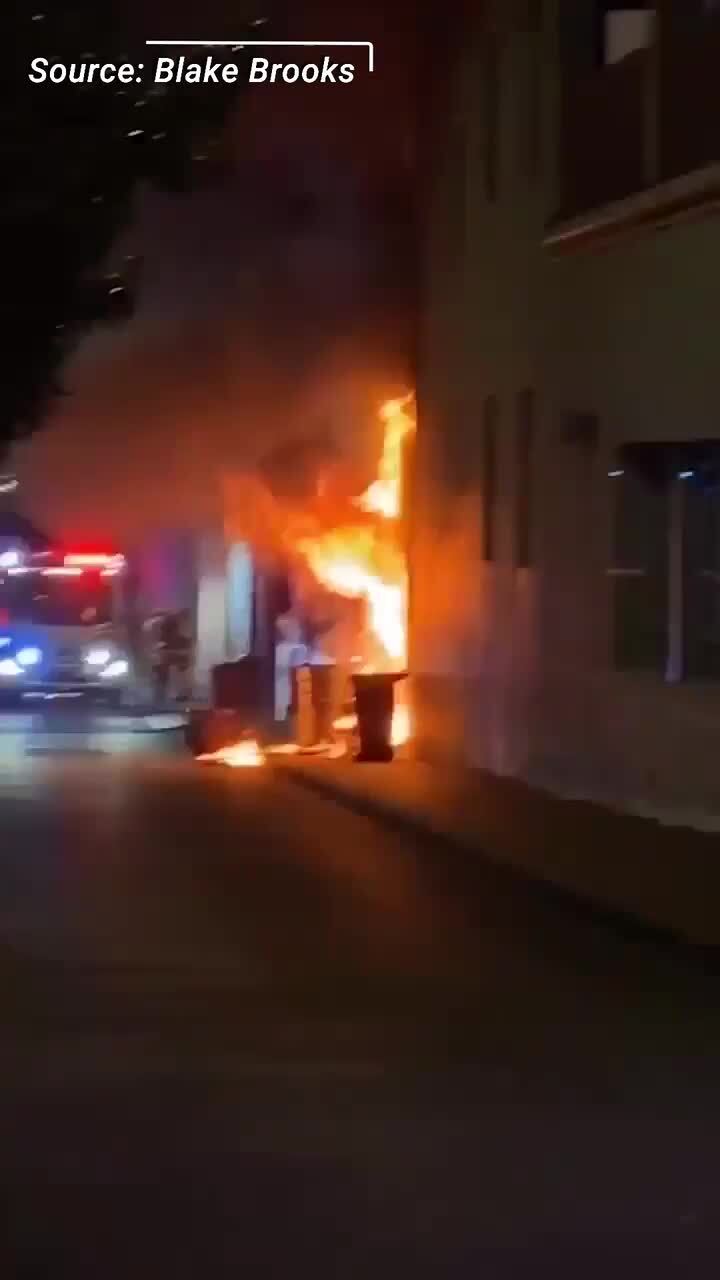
<point x="459" y="187"/>
<point x="666" y="572"/>
<point x="524" y="451"/>
<point x="700" y="601"/>
<point x="535" y="93"/>
<point x="489" y="478"/>
<point x="638" y="573"/>
<point x="531" y="15"/>
<point x="626" y="30"/>
<point x="491" y="114"/>
<point x="530" y="103"/>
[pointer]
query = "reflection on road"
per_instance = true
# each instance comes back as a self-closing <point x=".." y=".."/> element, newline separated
<point x="247" y="1032"/>
<point x="62" y="729"/>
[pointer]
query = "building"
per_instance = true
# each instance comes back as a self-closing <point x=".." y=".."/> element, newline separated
<point x="230" y="600"/>
<point x="565" y="596"/>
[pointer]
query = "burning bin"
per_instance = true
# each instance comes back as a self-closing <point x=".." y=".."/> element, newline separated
<point x="374" y="705"/>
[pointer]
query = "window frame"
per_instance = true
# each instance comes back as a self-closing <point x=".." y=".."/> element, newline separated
<point x="525" y="434"/>
<point x="492" y="114"/>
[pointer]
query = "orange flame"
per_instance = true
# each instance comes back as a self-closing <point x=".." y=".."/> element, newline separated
<point x="384" y="495"/>
<point x="246" y="754"/>
<point x="366" y="560"/>
<point x="401" y="725"/>
<point x="346" y="724"/>
<point x="352" y="547"/>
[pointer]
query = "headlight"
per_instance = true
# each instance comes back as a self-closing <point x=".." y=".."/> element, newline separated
<point x="98" y="657"/>
<point x="28" y="657"/>
<point x="113" y="670"/>
<point x="9" y="667"/>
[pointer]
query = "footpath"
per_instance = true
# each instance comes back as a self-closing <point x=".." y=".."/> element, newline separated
<point x="637" y="870"/>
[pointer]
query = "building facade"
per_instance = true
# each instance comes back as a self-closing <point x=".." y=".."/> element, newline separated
<point x="565" y="545"/>
<point x="228" y="599"/>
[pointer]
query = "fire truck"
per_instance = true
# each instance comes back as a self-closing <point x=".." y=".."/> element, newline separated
<point x="62" y="628"/>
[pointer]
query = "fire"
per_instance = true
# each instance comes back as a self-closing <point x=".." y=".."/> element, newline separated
<point x="345" y="724"/>
<point x="352" y="547"/>
<point x="345" y="561"/>
<point x="401" y="725"/>
<point x="366" y="559"/>
<point x="246" y="754"/>
<point x="384" y="495"/>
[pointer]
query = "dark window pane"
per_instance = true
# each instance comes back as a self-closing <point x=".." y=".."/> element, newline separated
<point x="491" y="122"/>
<point x="536" y="14"/>
<point x="640" y="572"/>
<point x="702" y="583"/>
<point x="524" y="451"/>
<point x="489" y="478"/>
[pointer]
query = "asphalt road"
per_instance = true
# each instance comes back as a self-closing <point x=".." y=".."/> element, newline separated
<point x="246" y="1032"/>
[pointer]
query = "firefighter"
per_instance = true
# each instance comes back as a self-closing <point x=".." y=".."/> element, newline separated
<point x="173" y="656"/>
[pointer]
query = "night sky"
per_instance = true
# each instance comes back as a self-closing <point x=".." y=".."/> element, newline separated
<point x="276" y="308"/>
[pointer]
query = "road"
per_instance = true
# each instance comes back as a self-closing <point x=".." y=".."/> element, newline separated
<point x="246" y="1032"/>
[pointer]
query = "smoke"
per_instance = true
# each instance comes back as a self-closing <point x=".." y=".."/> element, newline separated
<point x="274" y="318"/>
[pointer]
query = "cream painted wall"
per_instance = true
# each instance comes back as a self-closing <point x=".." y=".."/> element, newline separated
<point x="511" y="668"/>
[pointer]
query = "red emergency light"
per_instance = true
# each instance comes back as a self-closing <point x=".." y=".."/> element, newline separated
<point x="92" y="560"/>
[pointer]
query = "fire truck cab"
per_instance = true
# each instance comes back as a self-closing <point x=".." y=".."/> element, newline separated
<point x="62" y="628"/>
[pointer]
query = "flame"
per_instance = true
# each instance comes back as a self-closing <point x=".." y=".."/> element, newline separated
<point x="366" y="559"/>
<point x="246" y="754"/>
<point x="401" y="732"/>
<point x="351" y="546"/>
<point x="345" y="724"/>
<point x="343" y="561"/>
<point x="384" y="496"/>
<point x="401" y="725"/>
